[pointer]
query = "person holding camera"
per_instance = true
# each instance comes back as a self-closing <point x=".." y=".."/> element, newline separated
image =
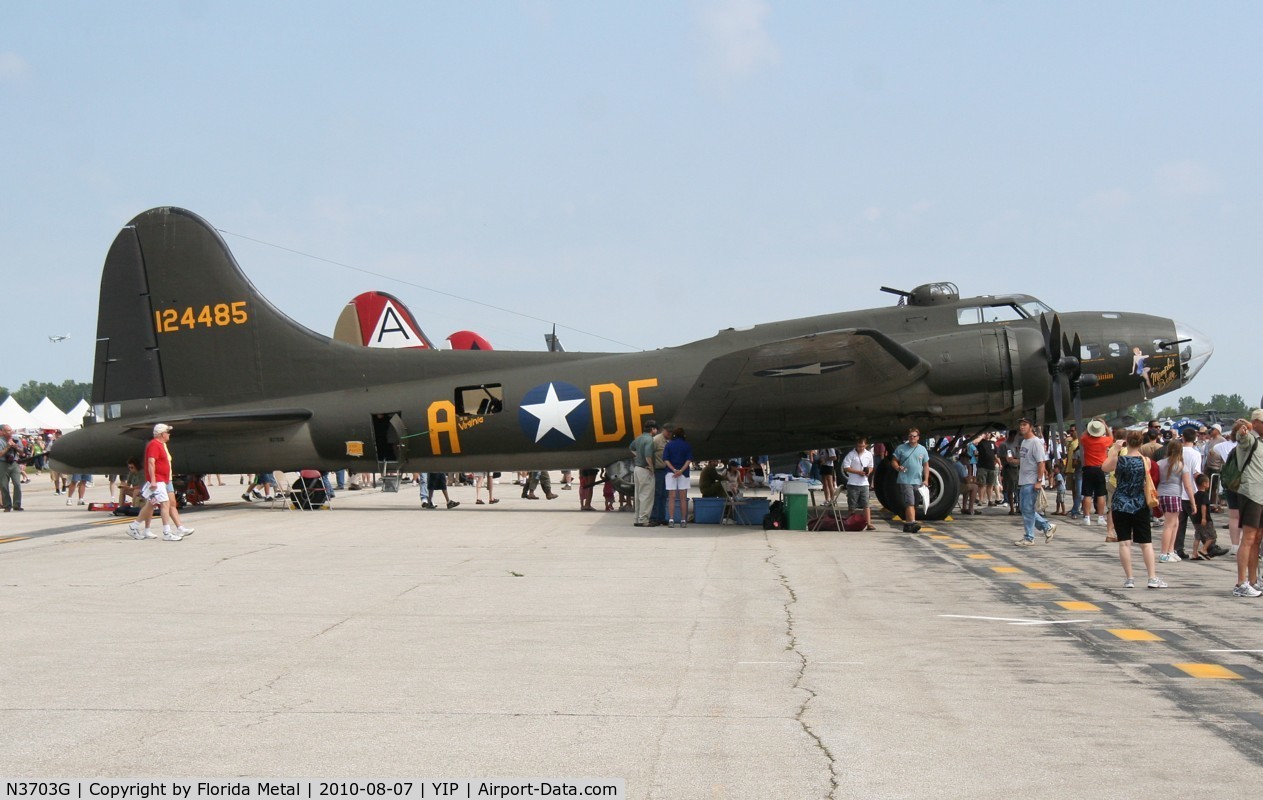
<point x="857" y="466"/>
<point x="12" y="450"/>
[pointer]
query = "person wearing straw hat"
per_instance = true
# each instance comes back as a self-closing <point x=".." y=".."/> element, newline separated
<point x="1094" y="444"/>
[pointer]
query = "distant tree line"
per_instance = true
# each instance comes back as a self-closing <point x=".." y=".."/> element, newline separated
<point x="1233" y="405"/>
<point x="65" y="395"/>
<point x="1228" y="405"/>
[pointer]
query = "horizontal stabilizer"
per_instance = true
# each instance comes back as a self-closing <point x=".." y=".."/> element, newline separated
<point x="227" y="421"/>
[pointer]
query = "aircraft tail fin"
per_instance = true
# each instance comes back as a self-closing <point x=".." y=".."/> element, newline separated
<point x="178" y="319"/>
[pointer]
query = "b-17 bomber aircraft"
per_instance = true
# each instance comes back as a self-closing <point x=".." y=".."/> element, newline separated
<point x="184" y="338"/>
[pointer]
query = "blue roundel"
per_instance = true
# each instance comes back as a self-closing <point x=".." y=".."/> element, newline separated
<point x="554" y="414"/>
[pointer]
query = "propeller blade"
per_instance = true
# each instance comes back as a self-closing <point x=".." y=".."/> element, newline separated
<point x="1078" y="412"/>
<point x="1077" y="352"/>
<point x="1055" y="335"/>
<point x="1057" y="401"/>
<point x="1075" y="373"/>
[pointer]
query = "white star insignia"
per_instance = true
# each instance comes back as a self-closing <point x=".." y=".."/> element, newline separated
<point x="552" y="414"/>
<point x="818" y="368"/>
<point x="810" y="369"/>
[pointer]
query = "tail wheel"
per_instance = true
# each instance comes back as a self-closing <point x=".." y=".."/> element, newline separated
<point x="944" y="488"/>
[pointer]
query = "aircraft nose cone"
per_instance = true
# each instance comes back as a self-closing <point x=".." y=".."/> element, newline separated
<point x="1195" y="350"/>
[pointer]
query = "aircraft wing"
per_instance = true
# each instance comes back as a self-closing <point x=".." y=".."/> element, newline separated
<point x="781" y="384"/>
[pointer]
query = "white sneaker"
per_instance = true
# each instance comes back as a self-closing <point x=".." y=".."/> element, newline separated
<point x="1130" y="583"/>
<point x="171" y="536"/>
<point x="1174" y="557"/>
<point x="1245" y="590"/>
<point x="1157" y="583"/>
<point x="70" y="501"/>
<point x="1164" y="558"/>
<point x="1050" y="532"/>
<point x="1258" y="585"/>
<point x="82" y="502"/>
<point x="183" y="531"/>
<point x="133" y="530"/>
<point x="1087" y="520"/>
<point x="150" y="534"/>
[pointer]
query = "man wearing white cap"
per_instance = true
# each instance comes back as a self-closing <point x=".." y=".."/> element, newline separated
<point x="157" y="468"/>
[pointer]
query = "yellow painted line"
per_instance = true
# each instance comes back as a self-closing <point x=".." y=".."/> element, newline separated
<point x="14" y="539"/>
<point x="960" y="546"/>
<point x="1040" y="585"/>
<point x="1078" y="605"/>
<point x="980" y="555"/>
<point x="939" y="536"/>
<point x="1008" y="570"/>
<point x="1135" y="635"/>
<point x="1211" y="671"/>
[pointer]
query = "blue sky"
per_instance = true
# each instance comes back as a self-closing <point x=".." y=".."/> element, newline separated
<point x="646" y="172"/>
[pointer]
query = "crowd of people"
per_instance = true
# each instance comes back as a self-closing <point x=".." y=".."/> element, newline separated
<point x="1130" y="482"/>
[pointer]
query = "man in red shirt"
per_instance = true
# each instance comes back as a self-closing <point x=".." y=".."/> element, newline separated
<point x="157" y="469"/>
<point x="1095" y="444"/>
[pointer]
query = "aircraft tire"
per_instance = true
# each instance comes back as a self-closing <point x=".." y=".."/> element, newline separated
<point x="944" y="488"/>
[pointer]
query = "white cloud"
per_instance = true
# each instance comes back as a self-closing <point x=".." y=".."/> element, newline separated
<point x="1185" y="179"/>
<point x="736" y="38"/>
<point x="13" y="68"/>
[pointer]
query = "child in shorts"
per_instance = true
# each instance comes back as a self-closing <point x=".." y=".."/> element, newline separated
<point x="1204" y="523"/>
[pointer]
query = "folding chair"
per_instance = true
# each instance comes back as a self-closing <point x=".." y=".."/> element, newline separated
<point x="308" y="492"/>
<point x="281" y="492"/>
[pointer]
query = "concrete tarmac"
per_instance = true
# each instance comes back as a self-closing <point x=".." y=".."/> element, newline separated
<point x="529" y="639"/>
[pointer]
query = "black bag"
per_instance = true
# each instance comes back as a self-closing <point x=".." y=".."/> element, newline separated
<point x="1234" y="469"/>
<point x="774" y="519"/>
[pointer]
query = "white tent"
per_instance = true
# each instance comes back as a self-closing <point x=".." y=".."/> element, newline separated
<point x="74" y="417"/>
<point x="46" y="414"/>
<point x="11" y="413"/>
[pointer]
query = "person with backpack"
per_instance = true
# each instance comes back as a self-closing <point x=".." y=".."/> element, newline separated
<point x="1250" y="504"/>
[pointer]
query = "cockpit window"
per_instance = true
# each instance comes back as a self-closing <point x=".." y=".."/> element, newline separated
<point x="1033" y="308"/>
<point x="975" y="315"/>
<point x="1089" y="351"/>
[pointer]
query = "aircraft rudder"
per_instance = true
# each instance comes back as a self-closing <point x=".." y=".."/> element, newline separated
<point x="183" y="320"/>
